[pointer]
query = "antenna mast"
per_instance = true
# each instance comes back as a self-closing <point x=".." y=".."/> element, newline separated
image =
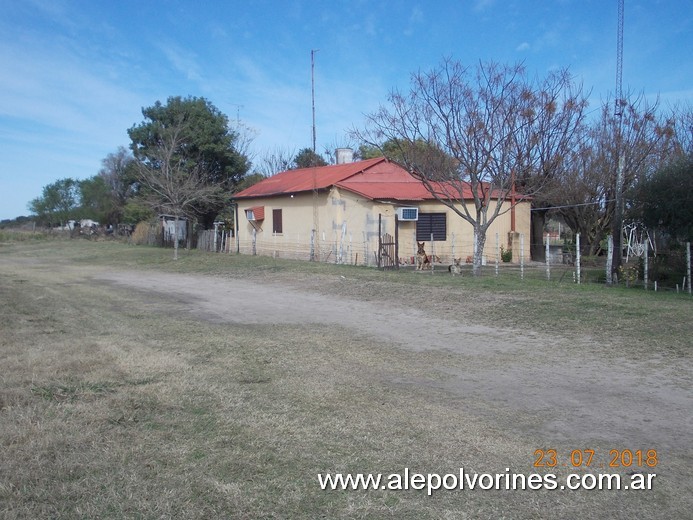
<point x="617" y="230"/>
<point x="619" y="62"/>
<point x="312" y="88"/>
<point x="314" y="249"/>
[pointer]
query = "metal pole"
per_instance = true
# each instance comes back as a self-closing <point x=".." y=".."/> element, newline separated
<point x="312" y="89"/>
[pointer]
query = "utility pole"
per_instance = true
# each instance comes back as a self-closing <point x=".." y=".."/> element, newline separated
<point x="617" y="229"/>
<point x="312" y="88"/>
<point x="315" y="252"/>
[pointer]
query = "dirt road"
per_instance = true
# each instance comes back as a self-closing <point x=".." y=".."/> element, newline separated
<point x="575" y="392"/>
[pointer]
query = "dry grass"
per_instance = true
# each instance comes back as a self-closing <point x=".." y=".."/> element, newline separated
<point x="116" y="404"/>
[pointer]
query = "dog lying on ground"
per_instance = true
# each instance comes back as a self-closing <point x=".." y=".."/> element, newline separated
<point x="456" y="267"/>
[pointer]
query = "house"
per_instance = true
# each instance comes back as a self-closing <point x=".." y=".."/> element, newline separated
<point x="338" y="213"/>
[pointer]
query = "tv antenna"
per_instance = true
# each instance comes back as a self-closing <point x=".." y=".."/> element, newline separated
<point x="238" y="112"/>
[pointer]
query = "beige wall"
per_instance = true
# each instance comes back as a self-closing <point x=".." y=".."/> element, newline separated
<point x="347" y="229"/>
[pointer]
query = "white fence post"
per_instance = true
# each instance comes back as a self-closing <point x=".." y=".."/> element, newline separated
<point x="646" y="263"/>
<point x="577" y="256"/>
<point x="609" y="258"/>
<point x="497" y="253"/>
<point x="522" y="256"/>
<point x="688" y="265"/>
<point x="312" y="245"/>
<point x="254" y="250"/>
<point x="548" y="257"/>
<point x="365" y="249"/>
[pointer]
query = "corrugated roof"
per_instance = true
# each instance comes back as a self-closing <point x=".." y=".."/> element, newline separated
<point x="307" y="179"/>
<point x="388" y="190"/>
<point x="403" y="190"/>
<point x="374" y="179"/>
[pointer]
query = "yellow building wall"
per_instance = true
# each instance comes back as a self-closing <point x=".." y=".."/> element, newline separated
<point x="339" y="226"/>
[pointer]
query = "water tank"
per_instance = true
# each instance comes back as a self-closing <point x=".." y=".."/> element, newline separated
<point x="344" y="155"/>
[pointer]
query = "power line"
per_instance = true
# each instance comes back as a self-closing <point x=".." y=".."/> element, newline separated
<point x="574" y="205"/>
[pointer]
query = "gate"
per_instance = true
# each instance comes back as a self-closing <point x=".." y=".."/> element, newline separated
<point x="388" y="247"/>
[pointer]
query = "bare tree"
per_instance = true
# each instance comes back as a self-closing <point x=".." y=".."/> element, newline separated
<point x="587" y="192"/>
<point x="488" y="122"/>
<point x="275" y="161"/>
<point x="583" y="194"/>
<point x="244" y="137"/>
<point x="682" y="121"/>
<point x="555" y="128"/>
<point x="172" y="182"/>
<point x="116" y="172"/>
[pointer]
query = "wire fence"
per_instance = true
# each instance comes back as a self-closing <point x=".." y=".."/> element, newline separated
<point x="666" y="270"/>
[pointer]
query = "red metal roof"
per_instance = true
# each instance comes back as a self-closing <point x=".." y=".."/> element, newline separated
<point x="307" y="179"/>
<point x="375" y="179"/>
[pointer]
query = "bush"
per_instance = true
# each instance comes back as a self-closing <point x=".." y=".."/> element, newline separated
<point x="506" y="254"/>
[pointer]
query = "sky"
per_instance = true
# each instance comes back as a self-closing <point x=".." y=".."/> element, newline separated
<point x="77" y="73"/>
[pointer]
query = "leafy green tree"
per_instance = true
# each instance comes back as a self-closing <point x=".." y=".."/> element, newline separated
<point x="307" y="158"/>
<point x="666" y="199"/>
<point x="173" y="184"/>
<point x="95" y="199"/>
<point x="136" y="211"/>
<point x="204" y="144"/>
<point x="58" y="202"/>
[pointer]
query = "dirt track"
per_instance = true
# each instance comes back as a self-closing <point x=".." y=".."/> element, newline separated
<point x="553" y="389"/>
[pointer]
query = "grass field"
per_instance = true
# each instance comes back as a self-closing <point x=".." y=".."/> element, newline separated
<point x="122" y="403"/>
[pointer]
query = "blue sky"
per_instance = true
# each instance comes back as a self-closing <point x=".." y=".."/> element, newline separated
<point x="76" y="73"/>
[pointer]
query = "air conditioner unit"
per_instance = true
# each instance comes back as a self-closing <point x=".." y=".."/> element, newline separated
<point x="408" y="214"/>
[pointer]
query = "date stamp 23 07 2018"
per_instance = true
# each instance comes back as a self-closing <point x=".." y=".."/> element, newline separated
<point x="585" y="458"/>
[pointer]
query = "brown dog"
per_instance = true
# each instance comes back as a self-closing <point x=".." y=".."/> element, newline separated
<point x="456" y="267"/>
<point x="422" y="260"/>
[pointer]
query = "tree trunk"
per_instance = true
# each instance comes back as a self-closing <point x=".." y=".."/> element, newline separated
<point x="536" y="236"/>
<point x="479" y="242"/>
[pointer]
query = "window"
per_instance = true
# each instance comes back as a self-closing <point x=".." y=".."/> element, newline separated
<point x="277" y="221"/>
<point x="431" y="223"/>
<point x="256" y="213"/>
